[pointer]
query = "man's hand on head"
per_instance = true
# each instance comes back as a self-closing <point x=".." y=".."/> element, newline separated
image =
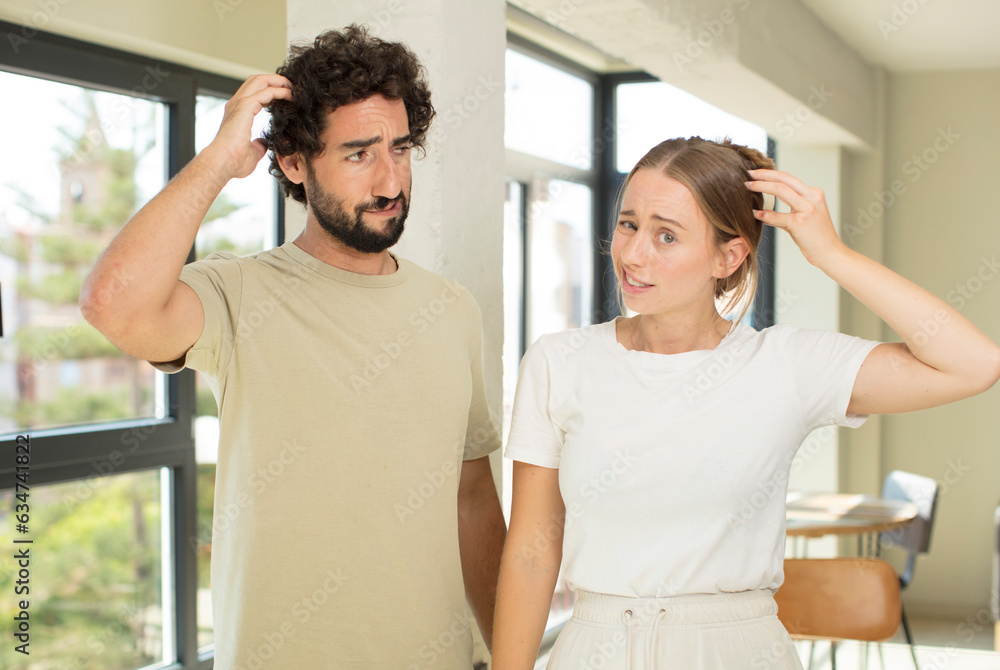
<point x="239" y="153"/>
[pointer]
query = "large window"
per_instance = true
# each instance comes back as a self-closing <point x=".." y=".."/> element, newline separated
<point x="549" y="235"/>
<point x="118" y="501"/>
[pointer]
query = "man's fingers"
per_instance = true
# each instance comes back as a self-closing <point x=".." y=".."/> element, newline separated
<point x="259" y="148"/>
<point x="254" y="102"/>
<point x="259" y="82"/>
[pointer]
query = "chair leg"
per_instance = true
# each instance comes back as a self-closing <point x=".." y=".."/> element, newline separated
<point x="906" y="626"/>
<point x="812" y="647"/>
<point x="909" y="637"/>
<point x="833" y="655"/>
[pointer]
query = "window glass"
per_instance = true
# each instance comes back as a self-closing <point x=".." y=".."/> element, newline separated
<point x="513" y="309"/>
<point x="86" y="161"/>
<point x="513" y="292"/>
<point x="548" y="112"/>
<point x="561" y="256"/>
<point x="100" y="588"/>
<point x="240" y="221"/>
<point x="548" y="225"/>
<point x="649" y="112"/>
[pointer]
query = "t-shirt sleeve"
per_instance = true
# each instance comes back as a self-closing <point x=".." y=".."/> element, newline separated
<point x="482" y="437"/>
<point x="534" y="436"/>
<point x="824" y="366"/>
<point x="217" y="280"/>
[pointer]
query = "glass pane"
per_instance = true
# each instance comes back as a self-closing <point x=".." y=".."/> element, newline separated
<point x="561" y="252"/>
<point x="548" y="112"/>
<point x="513" y="306"/>
<point x="86" y="161"/>
<point x="240" y="221"/>
<point x="97" y="574"/>
<point x="643" y="121"/>
<point x="513" y="293"/>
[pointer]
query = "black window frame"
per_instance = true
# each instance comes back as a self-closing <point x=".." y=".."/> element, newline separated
<point x="82" y="452"/>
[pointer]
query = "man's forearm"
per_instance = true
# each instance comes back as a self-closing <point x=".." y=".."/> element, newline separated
<point x="481" y="533"/>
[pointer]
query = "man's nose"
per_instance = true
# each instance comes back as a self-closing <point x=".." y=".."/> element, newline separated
<point x="388" y="180"/>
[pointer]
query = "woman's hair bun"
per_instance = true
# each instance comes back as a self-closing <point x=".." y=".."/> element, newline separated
<point x="755" y="160"/>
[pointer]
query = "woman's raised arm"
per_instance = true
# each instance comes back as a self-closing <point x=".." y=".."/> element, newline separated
<point x="942" y="358"/>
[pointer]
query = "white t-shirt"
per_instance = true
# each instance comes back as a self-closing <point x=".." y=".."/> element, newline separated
<point x="674" y="468"/>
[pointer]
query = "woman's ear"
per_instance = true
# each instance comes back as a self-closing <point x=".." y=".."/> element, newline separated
<point x="731" y="257"/>
<point x="294" y="167"/>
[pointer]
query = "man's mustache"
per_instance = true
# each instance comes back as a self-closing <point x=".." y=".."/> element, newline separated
<point x="380" y="203"/>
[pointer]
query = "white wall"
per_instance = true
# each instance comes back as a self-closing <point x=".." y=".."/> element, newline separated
<point x="943" y="232"/>
<point x="230" y="37"/>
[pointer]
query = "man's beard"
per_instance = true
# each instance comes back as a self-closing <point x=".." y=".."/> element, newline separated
<point x="353" y="231"/>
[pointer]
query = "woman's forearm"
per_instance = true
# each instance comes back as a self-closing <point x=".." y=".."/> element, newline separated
<point x="934" y="331"/>
<point x="524" y="598"/>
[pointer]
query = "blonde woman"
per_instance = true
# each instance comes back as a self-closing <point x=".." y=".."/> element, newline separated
<point x="635" y="442"/>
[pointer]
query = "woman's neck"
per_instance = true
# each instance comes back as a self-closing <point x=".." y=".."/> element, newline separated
<point x="667" y="334"/>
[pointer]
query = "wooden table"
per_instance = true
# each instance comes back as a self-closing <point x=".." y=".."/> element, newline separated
<point x="816" y="514"/>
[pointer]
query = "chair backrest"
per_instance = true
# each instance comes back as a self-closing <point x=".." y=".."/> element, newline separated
<point x="922" y="492"/>
<point x="839" y="599"/>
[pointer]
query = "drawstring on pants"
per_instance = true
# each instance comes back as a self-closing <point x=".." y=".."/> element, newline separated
<point x="659" y="631"/>
<point x="627" y="619"/>
<point x="651" y="645"/>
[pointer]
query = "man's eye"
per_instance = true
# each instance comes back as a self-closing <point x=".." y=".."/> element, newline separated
<point x="356" y="158"/>
<point x="402" y="149"/>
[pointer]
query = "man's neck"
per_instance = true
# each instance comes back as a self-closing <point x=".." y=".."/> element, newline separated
<point x="324" y="247"/>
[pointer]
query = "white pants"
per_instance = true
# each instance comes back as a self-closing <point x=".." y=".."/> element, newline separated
<point x="729" y="631"/>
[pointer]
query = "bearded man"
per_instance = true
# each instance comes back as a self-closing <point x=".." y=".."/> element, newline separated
<point x="385" y="518"/>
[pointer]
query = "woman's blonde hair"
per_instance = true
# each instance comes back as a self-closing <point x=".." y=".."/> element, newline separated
<point x="715" y="173"/>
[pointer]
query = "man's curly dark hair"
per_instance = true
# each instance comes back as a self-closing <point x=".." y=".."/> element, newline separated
<point x="339" y="68"/>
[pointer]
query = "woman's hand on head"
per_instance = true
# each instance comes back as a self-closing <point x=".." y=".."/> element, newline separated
<point x="809" y="222"/>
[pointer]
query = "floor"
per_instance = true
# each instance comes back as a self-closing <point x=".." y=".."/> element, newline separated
<point x="940" y="645"/>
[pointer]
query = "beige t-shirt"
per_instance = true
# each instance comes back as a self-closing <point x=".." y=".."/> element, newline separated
<point x="347" y="405"/>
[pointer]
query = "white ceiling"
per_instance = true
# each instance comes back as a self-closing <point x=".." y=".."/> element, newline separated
<point x="910" y="35"/>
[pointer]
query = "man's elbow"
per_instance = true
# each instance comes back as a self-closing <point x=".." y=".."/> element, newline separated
<point x="101" y="310"/>
<point x="93" y="303"/>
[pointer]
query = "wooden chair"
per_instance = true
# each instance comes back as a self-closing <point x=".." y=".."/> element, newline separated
<point x="839" y="599"/>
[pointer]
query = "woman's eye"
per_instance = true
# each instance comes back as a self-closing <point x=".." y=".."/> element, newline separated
<point x="666" y="238"/>
<point x="627" y="225"/>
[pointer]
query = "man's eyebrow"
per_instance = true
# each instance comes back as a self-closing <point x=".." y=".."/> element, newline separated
<point x="656" y="217"/>
<point x="364" y="144"/>
<point x="360" y="144"/>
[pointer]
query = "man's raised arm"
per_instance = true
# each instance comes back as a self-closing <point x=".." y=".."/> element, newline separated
<point x="134" y="295"/>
